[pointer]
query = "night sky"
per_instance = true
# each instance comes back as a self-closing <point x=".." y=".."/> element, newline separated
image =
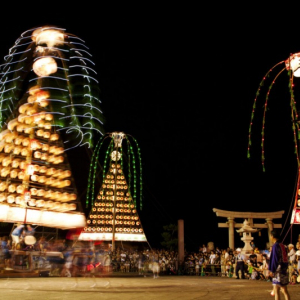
<point x="183" y="84"/>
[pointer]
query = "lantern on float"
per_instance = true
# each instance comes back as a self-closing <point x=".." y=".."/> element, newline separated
<point x="44" y="66"/>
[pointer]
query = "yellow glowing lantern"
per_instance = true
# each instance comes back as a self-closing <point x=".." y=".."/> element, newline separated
<point x="5" y="171"/>
<point x="25" y="142"/>
<point x="13" y="174"/>
<point x="19" y="200"/>
<point x="58" y="150"/>
<point x="41" y="123"/>
<point x="8" y="148"/>
<point x="44" y="156"/>
<point x="12" y="124"/>
<point x="21" y="175"/>
<point x="33" y="191"/>
<point x="36" y="168"/>
<point x="32" y="202"/>
<point x="46" y="134"/>
<point x="45" y="147"/>
<point x="37" y="154"/>
<point x="51" y="158"/>
<point x="24" y="152"/>
<point x="50" y="171"/>
<point x="48" y="194"/>
<point x="44" y="66"/>
<point x="40" y="132"/>
<point x="72" y="206"/>
<point x="28" y="129"/>
<point x="3" y="186"/>
<point x="20" y="189"/>
<point x="42" y="179"/>
<point x="47" y="126"/>
<point x="48" y="204"/>
<point x="28" y="120"/>
<point x="34" y="144"/>
<point x="40" y="193"/>
<point x="40" y="203"/>
<point x="10" y="137"/>
<point x="10" y="199"/>
<point x="34" y="89"/>
<point x="58" y="160"/>
<point x="43" y="169"/>
<point x="64" y="197"/>
<point x="66" y="173"/>
<point x="31" y="99"/>
<point x="6" y="161"/>
<point x="48" y="117"/>
<point x="34" y="178"/>
<point x="54" y="137"/>
<point x="72" y="197"/>
<point x="18" y="140"/>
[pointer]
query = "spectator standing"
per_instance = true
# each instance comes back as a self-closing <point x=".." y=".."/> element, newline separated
<point x="292" y="257"/>
<point x="240" y="261"/>
<point x="298" y="260"/>
<point x="279" y="267"/>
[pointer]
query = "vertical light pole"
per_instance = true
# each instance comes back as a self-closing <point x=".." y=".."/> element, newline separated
<point x="115" y="156"/>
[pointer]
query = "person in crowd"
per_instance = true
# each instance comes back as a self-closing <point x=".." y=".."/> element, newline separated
<point x="279" y="267"/>
<point x="294" y="275"/>
<point x="260" y="271"/>
<point x="16" y="235"/>
<point x="5" y="247"/>
<point x="253" y="258"/>
<point x="240" y="262"/>
<point x="265" y="267"/>
<point x="298" y="243"/>
<point x="292" y="257"/>
<point x="223" y="262"/>
<point x="298" y="260"/>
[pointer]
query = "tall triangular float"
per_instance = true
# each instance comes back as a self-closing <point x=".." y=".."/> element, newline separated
<point x="48" y="105"/>
<point x="114" y="216"/>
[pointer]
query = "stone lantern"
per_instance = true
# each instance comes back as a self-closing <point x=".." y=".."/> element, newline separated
<point x="246" y="229"/>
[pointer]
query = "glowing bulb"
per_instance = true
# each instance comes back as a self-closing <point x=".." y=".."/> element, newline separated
<point x="51" y="37"/>
<point x="44" y="66"/>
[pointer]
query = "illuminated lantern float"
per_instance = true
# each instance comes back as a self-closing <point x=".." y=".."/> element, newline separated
<point x="292" y="65"/>
<point x="114" y="215"/>
<point x="48" y="105"/>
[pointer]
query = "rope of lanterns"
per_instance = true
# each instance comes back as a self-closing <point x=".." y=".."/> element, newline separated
<point x="292" y="65"/>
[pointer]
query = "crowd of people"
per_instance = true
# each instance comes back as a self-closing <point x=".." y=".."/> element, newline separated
<point x="88" y="257"/>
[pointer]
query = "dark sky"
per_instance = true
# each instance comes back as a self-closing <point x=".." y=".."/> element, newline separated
<point x="182" y="82"/>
